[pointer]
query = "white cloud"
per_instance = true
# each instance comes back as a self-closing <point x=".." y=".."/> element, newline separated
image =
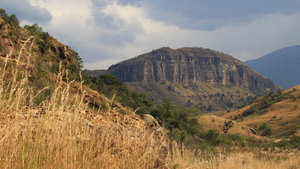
<point x="105" y="63"/>
<point x="105" y="33"/>
<point x="62" y="7"/>
<point x="259" y="37"/>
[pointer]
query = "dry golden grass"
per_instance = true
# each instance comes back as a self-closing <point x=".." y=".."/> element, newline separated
<point x="209" y="122"/>
<point x="258" y="160"/>
<point x="59" y="133"/>
<point x="240" y="159"/>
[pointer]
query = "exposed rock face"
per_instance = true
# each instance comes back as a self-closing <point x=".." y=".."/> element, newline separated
<point x="190" y="65"/>
<point x="192" y="75"/>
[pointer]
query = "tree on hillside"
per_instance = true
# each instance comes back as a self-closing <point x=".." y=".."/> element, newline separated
<point x="168" y="104"/>
<point x="111" y="80"/>
<point x="194" y="110"/>
<point x="12" y="19"/>
<point x="227" y="125"/>
<point x="35" y="29"/>
<point x="3" y="14"/>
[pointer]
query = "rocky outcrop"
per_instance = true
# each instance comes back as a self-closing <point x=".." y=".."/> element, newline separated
<point x="17" y="43"/>
<point x="190" y="65"/>
<point x="192" y="75"/>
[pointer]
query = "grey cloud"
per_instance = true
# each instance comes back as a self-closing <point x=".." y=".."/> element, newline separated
<point x="117" y="31"/>
<point x="102" y="19"/>
<point x="120" y="37"/>
<point x="118" y="40"/>
<point x="210" y="15"/>
<point x="25" y="11"/>
<point x="106" y="21"/>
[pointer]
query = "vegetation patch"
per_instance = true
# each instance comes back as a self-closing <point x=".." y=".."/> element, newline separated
<point x="261" y="104"/>
<point x="10" y="19"/>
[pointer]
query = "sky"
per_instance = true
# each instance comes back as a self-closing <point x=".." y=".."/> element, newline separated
<point x="105" y="32"/>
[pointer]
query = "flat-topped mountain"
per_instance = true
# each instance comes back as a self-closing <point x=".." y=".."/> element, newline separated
<point x="192" y="74"/>
<point x="189" y="65"/>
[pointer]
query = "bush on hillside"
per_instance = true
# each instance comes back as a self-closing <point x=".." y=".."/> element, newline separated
<point x="112" y="87"/>
<point x="213" y="138"/>
<point x="40" y="36"/>
<point x="12" y="19"/>
<point x="261" y="104"/>
<point x="265" y="129"/>
<point x="293" y="142"/>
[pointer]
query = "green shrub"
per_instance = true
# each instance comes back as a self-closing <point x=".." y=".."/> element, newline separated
<point x="293" y="142"/>
<point x="238" y="139"/>
<point x="3" y="14"/>
<point x="178" y="135"/>
<point x="213" y="138"/>
<point x="265" y="111"/>
<point x="223" y="140"/>
<point x="34" y="29"/>
<point x="250" y="111"/>
<point x="211" y="135"/>
<point x="12" y="19"/>
<point x="265" y="129"/>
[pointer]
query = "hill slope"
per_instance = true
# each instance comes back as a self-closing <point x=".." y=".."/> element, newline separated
<point x="281" y="66"/>
<point x="212" y="122"/>
<point x="192" y="75"/>
<point x="280" y="110"/>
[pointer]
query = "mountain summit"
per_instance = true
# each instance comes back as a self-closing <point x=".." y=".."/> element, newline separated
<point x="192" y="74"/>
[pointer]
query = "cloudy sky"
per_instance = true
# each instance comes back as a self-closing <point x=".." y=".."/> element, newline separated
<point x="105" y="32"/>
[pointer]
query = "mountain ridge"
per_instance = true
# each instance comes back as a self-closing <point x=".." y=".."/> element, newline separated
<point x="281" y="66"/>
<point x="182" y="73"/>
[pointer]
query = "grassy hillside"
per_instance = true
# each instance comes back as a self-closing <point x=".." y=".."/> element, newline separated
<point x="280" y="110"/>
<point x="211" y="122"/>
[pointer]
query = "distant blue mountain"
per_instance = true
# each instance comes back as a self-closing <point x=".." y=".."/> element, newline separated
<point x="281" y="66"/>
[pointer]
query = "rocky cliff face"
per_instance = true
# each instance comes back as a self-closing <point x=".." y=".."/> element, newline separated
<point x="190" y="65"/>
<point x="193" y="76"/>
